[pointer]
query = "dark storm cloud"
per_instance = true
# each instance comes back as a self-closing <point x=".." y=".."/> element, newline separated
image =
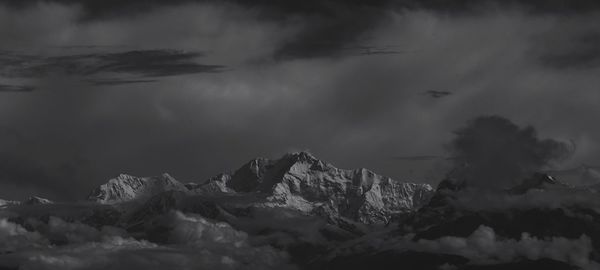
<point x="534" y="6"/>
<point x="148" y="63"/>
<point x="282" y="8"/>
<point x="492" y="151"/>
<point x="144" y="63"/>
<point x="118" y="82"/>
<point x="581" y="52"/>
<point x="16" y="88"/>
<point x="328" y="26"/>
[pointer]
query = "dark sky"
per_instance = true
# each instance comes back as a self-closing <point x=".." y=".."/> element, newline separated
<point x="91" y="89"/>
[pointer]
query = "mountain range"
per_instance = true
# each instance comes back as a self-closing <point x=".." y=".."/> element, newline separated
<point x="296" y="181"/>
<point x="298" y="211"/>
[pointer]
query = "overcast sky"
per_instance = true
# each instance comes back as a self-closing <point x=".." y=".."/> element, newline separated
<point x="91" y="89"/>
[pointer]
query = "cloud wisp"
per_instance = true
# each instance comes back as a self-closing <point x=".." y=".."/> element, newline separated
<point x="138" y="66"/>
<point x="16" y="88"/>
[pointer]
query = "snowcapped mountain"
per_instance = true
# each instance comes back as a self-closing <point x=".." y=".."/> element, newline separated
<point x="302" y="182"/>
<point x="296" y="181"/>
<point x="126" y="188"/>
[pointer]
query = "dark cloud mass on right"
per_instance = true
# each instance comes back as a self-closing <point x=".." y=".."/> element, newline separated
<point x="491" y="151"/>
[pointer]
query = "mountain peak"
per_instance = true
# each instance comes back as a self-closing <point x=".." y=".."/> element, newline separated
<point x="300" y="181"/>
<point x="296" y="181"/>
<point x="301" y="156"/>
<point x="127" y="187"/>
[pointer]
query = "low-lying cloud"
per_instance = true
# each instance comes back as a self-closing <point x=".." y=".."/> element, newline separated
<point x="193" y="242"/>
<point x="484" y="247"/>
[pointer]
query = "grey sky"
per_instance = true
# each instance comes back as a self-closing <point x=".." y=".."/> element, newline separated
<point x="212" y="84"/>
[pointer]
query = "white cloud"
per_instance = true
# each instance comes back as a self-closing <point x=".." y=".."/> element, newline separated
<point x="13" y="237"/>
<point x="194" y="243"/>
<point x="484" y="247"/>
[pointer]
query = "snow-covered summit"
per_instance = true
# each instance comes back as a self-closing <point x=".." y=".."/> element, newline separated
<point x="126" y="187"/>
<point x="298" y="181"/>
<point x="303" y="182"/>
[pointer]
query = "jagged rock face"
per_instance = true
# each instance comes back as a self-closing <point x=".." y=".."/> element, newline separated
<point x="296" y="181"/>
<point x="250" y="176"/>
<point x="215" y="184"/>
<point x="126" y="188"/>
<point x="302" y="182"/>
<point x="34" y="200"/>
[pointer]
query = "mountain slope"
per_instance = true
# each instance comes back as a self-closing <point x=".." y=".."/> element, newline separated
<point x="302" y="182"/>
<point x="296" y="181"/>
<point x="126" y="188"/>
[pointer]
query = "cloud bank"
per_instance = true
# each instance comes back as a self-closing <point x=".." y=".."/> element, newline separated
<point x="192" y="242"/>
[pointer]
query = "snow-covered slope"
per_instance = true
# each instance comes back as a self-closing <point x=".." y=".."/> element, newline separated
<point x="297" y="181"/>
<point x="303" y="182"/>
<point x="126" y="188"/>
